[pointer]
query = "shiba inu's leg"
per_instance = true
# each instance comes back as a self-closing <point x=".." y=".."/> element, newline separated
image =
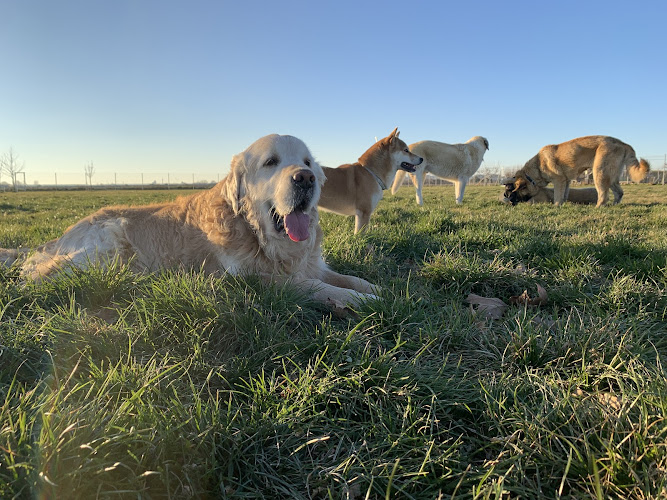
<point x="361" y="220"/>
<point x="459" y="188"/>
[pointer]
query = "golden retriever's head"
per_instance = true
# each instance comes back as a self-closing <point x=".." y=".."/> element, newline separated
<point x="520" y="188"/>
<point x="276" y="184"/>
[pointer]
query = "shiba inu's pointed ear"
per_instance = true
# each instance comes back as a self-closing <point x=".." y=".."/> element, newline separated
<point x="394" y="133"/>
<point x="233" y="189"/>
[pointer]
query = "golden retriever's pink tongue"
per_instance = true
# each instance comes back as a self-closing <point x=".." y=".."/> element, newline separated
<point x="296" y="225"/>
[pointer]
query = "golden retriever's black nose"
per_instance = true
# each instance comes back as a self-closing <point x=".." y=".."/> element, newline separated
<point x="303" y="178"/>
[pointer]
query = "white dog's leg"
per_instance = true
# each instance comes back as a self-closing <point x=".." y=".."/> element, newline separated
<point x="459" y="188"/>
<point x="418" y="180"/>
<point x="398" y="181"/>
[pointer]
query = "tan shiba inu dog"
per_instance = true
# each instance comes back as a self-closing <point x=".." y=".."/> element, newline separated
<point x="355" y="189"/>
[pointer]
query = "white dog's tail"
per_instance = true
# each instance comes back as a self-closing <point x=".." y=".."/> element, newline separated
<point x="638" y="170"/>
<point x="398" y="180"/>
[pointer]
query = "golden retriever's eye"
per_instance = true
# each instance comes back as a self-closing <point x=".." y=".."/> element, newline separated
<point x="271" y="162"/>
<point x="306" y="162"/>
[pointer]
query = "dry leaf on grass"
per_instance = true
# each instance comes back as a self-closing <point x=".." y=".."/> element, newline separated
<point x="489" y="306"/>
<point x="524" y="298"/>
<point x="605" y="398"/>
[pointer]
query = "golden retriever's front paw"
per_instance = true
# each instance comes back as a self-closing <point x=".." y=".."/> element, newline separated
<point x="360" y="298"/>
<point x="344" y="298"/>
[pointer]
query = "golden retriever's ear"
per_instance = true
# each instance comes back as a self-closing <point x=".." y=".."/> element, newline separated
<point x="234" y="189"/>
<point x="323" y="177"/>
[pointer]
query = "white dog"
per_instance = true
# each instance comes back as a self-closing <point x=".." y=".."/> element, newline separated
<point x="261" y="219"/>
<point x="453" y="162"/>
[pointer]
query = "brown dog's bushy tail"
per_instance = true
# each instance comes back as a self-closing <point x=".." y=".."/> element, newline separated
<point x="639" y="170"/>
<point x="398" y="180"/>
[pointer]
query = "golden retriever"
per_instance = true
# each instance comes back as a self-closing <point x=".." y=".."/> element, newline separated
<point x="261" y="219"/>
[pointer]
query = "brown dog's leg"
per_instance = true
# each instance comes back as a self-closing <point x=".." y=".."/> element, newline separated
<point x="560" y="188"/>
<point x="601" y="184"/>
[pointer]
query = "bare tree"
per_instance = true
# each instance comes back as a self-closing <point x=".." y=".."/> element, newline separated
<point x="89" y="170"/>
<point x="9" y="164"/>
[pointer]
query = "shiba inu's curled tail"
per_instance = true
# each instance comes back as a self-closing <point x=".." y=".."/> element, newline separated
<point x="398" y="180"/>
<point x="638" y="170"/>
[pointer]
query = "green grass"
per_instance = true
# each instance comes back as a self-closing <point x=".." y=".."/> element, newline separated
<point x="179" y="385"/>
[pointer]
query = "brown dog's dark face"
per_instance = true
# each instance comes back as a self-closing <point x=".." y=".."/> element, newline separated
<point x="518" y="191"/>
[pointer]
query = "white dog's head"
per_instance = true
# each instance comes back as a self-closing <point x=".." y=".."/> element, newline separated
<point x="482" y="142"/>
<point x="276" y="184"/>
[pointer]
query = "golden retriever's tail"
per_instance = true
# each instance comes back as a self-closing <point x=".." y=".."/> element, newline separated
<point x="639" y="170"/>
<point x="9" y="256"/>
<point x="398" y="180"/>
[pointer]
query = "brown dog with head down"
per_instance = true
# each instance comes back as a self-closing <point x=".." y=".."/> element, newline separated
<point x="580" y="196"/>
<point x="562" y="163"/>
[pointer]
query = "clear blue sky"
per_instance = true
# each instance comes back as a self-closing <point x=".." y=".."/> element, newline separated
<point x="177" y="87"/>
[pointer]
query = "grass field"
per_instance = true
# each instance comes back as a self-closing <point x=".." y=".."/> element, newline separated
<point x="178" y="385"/>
